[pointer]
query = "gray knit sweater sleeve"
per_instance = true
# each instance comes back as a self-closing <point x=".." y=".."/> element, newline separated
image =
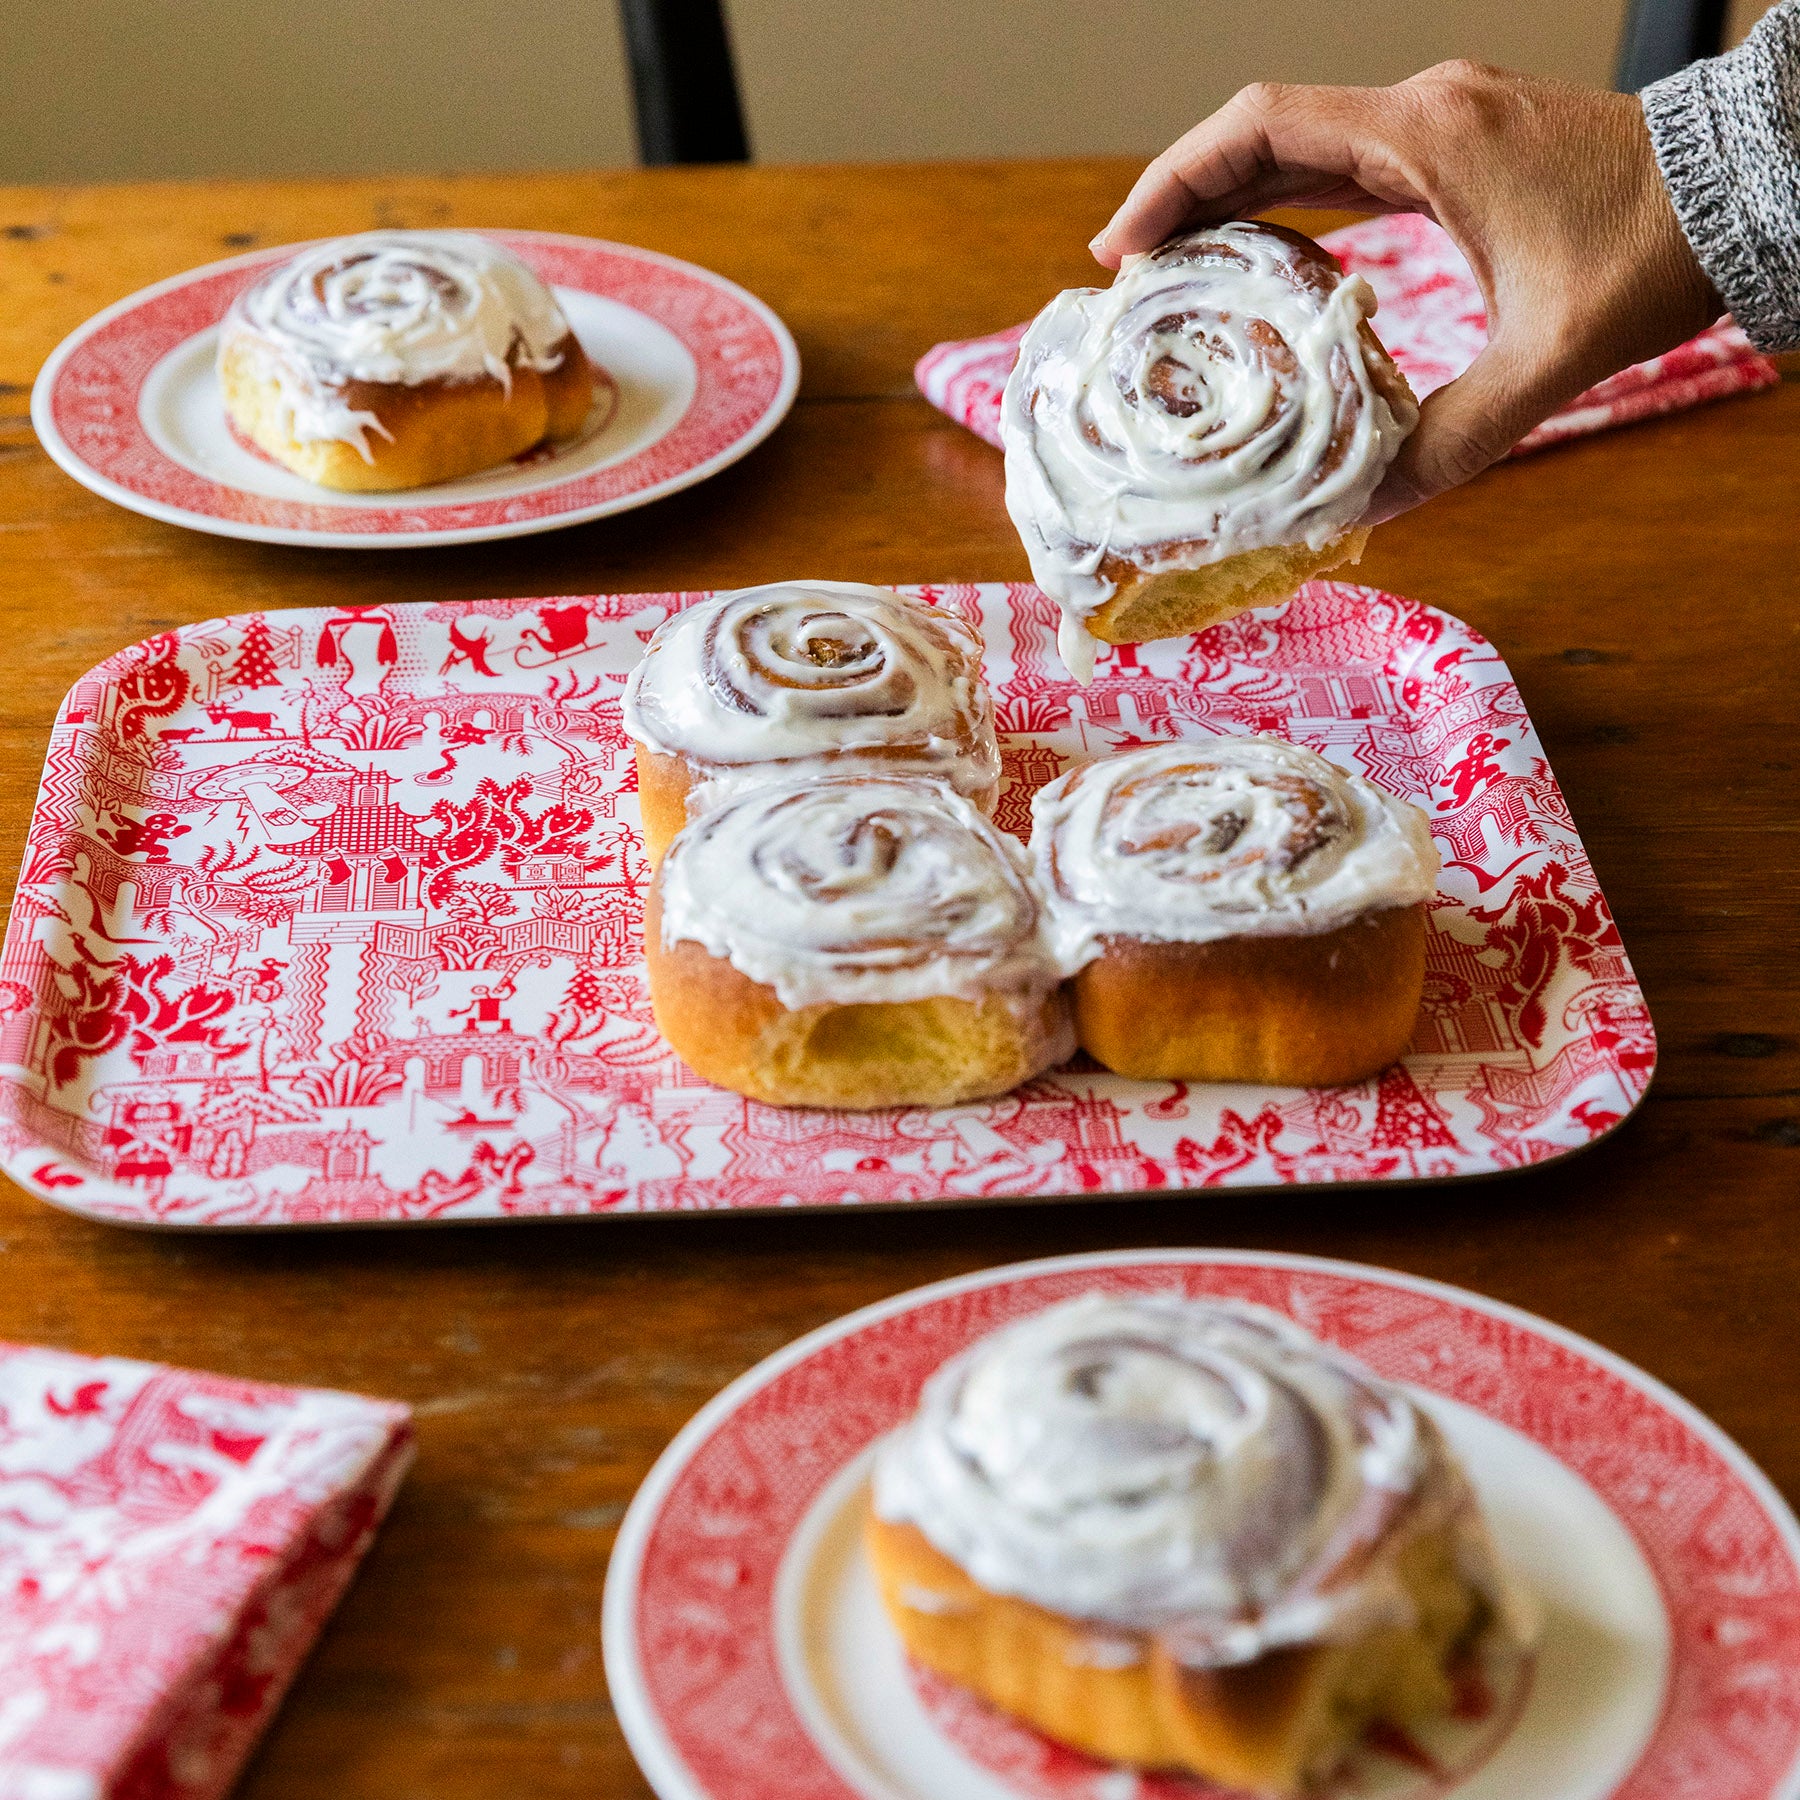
<point x="1727" y="139"/>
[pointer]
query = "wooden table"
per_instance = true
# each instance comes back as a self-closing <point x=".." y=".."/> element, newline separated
<point x="1643" y="585"/>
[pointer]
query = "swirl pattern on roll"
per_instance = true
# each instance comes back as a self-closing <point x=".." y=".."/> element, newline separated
<point x="804" y="671"/>
<point x="1200" y="1470"/>
<point x="397" y="308"/>
<point x="1222" y="395"/>
<point x="862" y="889"/>
<point x="1233" y="837"/>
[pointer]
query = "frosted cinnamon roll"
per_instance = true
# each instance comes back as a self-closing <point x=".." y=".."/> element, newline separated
<point x="854" y="942"/>
<point x="1200" y="437"/>
<point x="1181" y="1534"/>
<point x="400" y="358"/>
<point x="806" y="677"/>
<point x="1236" y="910"/>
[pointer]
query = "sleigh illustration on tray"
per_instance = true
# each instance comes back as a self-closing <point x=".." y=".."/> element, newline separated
<point x="335" y="916"/>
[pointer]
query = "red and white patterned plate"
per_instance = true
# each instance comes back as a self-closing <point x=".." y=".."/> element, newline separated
<point x="748" y="1658"/>
<point x="129" y="405"/>
<point x="335" y="916"/>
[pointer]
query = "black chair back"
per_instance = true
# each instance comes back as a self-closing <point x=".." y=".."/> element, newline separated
<point x="1662" y="36"/>
<point x="683" y="82"/>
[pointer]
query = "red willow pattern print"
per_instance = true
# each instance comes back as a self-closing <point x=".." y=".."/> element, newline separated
<point x="170" y="1544"/>
<point x="333" y="916"/>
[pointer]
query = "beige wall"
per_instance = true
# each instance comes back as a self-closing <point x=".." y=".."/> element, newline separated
<point x="1022" y="77"/>
<point x="103" y="89"/>
<point x="97" y="89"/>
<point x="1741" y="15"/>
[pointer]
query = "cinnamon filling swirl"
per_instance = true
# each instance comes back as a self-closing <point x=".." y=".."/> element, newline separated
<point x="1223" y="395"/>
<point x="838" y="661"/>
<point x="809" y="673"/>
<point x="858" y="890"/>
<point x="393" y="308"/>
<point x="1202" y="1471"/>
<point x="1189" y="843"/>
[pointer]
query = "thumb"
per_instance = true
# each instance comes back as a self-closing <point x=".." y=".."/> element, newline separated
<point x="1466" y="425"/>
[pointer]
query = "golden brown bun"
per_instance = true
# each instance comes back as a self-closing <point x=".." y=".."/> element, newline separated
<point x="1263" y="1727"/>
<point x="735" y="1032"/>
<point x="1294" y="1011"/>
<point x="663" y="784"/>
<point x="1177" y="602"/>
<point x="441" y="430"/>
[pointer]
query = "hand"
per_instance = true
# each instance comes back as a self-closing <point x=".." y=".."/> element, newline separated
<point x="1551" y="192"/>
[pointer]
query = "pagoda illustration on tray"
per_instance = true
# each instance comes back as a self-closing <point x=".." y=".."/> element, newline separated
<point x="336" y="915"/>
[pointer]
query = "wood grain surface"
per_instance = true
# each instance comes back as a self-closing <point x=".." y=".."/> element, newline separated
<point x="1644" y="585"/>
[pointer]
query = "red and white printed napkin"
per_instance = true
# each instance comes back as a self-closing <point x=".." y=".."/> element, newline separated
<point x="170" y="1544"/>
<point x="1434" y="324"/>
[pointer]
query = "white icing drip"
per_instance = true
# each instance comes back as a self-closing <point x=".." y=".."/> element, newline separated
<point x="930" y="1601"/>
<point x="859" y="890"/>
<point x="1190" y="411"/>
<point x="396" y="307"/>
<point x="805" y="672"/>
<point x="1104" y="1653"/>
<point x="1076" y="645"/>
<point x="1201" y="1470"/>
<point x="1233" y="837"/>
<point x="1118" y="1784"/>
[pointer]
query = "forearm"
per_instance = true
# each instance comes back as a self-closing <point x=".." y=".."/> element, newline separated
<point x="1727" y="138"/>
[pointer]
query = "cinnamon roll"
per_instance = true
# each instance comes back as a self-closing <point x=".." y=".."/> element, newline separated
<point x="1200" y="437"/>
<point x="400" y="358"/>
<point x="1182" y="1534"/>
<point x="1236" y="910"/>
<point x="854" y="942"/>
<point x="806" y="677"/>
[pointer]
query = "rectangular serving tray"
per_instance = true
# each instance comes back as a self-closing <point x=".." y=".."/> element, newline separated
<point x="334" y="916"/>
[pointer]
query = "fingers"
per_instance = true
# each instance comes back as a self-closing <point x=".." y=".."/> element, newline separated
<point x="1269" y="144"/>
<point x="1220" y="157"/>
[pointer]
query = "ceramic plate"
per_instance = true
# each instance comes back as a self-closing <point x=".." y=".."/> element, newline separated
<point x="748" y="1658"/>
<point x="130" y="406"/>
<point x="336" y="916"/>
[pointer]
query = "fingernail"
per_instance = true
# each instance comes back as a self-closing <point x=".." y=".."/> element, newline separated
<point x="1097" y="242"/>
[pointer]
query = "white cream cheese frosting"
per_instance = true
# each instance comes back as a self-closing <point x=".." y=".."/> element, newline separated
<point x="1231" y="837"/>
<point x="805" y="673"/>
<point x="1199" y="1470"/>
<point x="858" y="890"/>
<point x="1219" y="397"/>
<point x="394" y="307"/>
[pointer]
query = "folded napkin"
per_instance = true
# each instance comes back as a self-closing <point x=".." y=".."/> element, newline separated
<point x="170" y="1544"/>
<point x="1433" y="323"/>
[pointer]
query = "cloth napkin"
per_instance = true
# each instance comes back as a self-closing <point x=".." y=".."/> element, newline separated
<point x="170" y="1544"/>
<point x="1433" y="323"/>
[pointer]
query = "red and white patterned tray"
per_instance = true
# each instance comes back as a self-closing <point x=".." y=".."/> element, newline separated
<point x="170" y="1544"/>
<point x="335" y="916"/>
<point x="748" y="1659"/>
<point x="129" y="405"/>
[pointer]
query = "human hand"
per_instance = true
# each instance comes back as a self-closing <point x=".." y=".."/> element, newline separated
<point x="1551" y="192"/>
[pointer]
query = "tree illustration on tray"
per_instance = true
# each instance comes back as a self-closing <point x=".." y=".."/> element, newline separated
<point x="255" y="664"/>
